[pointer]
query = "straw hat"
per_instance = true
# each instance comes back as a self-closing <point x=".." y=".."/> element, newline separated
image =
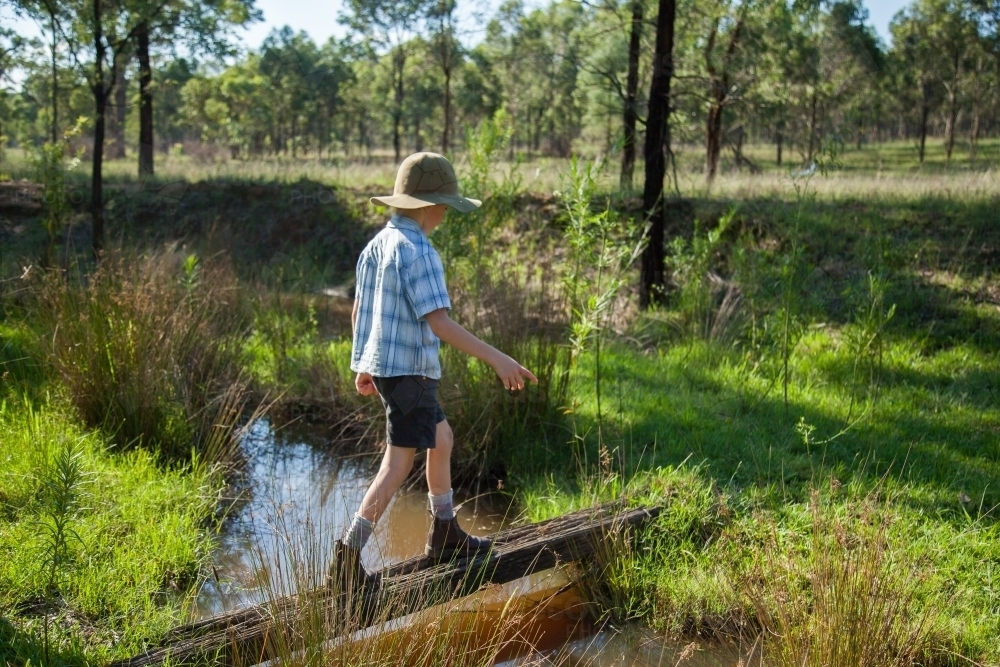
<point x="425" y="179"/>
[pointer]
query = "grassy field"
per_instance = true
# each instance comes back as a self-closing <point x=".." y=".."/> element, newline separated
<point x="815" y="403"/>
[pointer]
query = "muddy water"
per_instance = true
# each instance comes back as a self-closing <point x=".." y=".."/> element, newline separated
<point x="298" y="499"/>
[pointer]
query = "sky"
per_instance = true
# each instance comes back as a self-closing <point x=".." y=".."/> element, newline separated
<point x="319" y="18"/>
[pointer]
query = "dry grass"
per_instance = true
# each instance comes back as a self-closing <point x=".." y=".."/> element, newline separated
<point x="497" y="623"/>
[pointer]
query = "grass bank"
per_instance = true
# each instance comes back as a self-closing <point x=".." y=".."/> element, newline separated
<point x="98" y="547"/>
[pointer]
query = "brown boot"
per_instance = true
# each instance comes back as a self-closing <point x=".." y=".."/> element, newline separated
<point x="447" y="540"/>
<point x="346" y="571"/>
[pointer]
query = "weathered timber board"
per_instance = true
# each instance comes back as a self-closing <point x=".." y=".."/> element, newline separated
<point x="252" y="635"/>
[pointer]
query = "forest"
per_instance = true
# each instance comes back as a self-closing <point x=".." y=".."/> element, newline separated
<point x="804" y="77"/>
<point x="749" y="248"/>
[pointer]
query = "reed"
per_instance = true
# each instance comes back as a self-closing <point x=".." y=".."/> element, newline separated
<point x="330" y="626"/>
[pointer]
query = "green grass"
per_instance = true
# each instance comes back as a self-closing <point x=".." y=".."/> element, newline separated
<point x="699" y="425"/>
<point x="692" y="419"/>
<point x="139" y="541"/>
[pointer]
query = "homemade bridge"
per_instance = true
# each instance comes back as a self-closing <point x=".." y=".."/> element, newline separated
<point x="249" y="636"/>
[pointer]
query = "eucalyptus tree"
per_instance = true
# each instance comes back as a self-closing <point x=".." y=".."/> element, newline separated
<point x="447" y="51"/>
<point x="954" y="33"/>
<point x="50" y="16"/>
<point x="538" y="57"/>
<point x="652" y="280"/>
<point x="933" y="38"/>
<point x="916" y="59"/>
<point x="389" y="24"/>
<point x="851" y="62"/>
<point x="616" y="47"/>
<point x="726" y="22"/>
<point x="12" y="47"/>
<point x="989" y="46"/>
<point x="502" y="50"/>
<point x="97" y="33"/>
<point x="204" y="26"/>
<point x="785" y="50"/>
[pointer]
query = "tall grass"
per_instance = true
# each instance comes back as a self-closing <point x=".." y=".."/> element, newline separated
<point x="505" y="289"/>
<point x="149" y="347"/>
<point x="854" y="602"/>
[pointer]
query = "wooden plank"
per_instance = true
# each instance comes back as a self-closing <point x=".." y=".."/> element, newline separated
<point x="252" y="635"/>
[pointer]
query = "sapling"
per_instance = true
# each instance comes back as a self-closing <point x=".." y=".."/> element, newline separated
<point x="62" y="484"/>
<point x="51" y="166"/>
<point x="602" y="247"/>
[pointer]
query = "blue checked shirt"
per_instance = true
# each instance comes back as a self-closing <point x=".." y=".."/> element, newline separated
<point x="399" y="280"/>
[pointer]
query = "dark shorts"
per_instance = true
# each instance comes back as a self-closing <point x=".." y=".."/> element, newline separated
<point x="411" y="410"/>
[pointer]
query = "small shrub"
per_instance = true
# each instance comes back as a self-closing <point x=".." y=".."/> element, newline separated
<point x="707" y="303"/>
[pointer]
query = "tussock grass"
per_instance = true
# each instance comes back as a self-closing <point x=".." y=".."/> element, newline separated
<point x="854" y="601"/>
<point x="148" y="348"/>
<point x="331" y="625"/>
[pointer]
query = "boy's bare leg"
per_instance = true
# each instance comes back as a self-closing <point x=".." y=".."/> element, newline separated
<point x="396" y="465"/>
<point x="445" y="538"/>
<point x="439" y="460"/>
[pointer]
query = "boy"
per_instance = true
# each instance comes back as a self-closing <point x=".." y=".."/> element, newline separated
<point x="400" y="316"/>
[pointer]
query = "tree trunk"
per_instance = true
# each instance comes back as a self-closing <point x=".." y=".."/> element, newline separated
<point x="97" y="164"/>
<point x="777" y="141"/>
<point x="55" y="77"/>
<point x="629" y="114"/>
<point x="446" y="135"/>
<point x="399" y="60"/>
<point x="651" y="276"/>
<point x="925" y="111"/>
<point x="713" y="137"/>
<point x="949" y="144"/>
<point x="974" y="135"/>
<point x="145" y="103"/>
<point x="116" y="126"/>
<point x="812" y="124"/>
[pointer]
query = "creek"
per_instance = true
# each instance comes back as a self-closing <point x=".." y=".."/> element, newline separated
<point x="297" y="499"/>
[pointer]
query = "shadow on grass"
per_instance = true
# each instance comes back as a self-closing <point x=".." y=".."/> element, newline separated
<point x="678" y="409"/>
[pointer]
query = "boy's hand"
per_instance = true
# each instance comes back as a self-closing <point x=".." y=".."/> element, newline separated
<point x="365" y="384"/>
<point x="512" y="374"/>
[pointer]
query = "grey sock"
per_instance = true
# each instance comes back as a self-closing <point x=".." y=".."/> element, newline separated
<point x="442" y="507"/>
<point x="358" y="534"/>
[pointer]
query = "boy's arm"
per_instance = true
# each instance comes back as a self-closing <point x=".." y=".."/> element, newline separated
<point x="363" y="381"/>
<point x="510" y="372"/>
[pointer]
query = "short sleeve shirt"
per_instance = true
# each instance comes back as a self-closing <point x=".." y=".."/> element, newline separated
<point x="400" y="279"/>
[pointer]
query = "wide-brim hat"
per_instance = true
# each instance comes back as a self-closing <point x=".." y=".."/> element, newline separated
<point x="425" y="179"/>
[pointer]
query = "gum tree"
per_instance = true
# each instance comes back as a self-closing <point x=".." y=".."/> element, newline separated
<point x="203" y="26"/>
<point x="389" y="24"/>
<point x="651" y="278"/>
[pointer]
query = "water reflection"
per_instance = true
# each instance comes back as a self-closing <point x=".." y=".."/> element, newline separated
<point x="298" y="500"/>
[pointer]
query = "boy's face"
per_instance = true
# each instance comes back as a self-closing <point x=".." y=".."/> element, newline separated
<point x="433" y="216"/>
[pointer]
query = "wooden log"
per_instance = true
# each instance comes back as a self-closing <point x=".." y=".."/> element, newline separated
<point x="255" y="634"/>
